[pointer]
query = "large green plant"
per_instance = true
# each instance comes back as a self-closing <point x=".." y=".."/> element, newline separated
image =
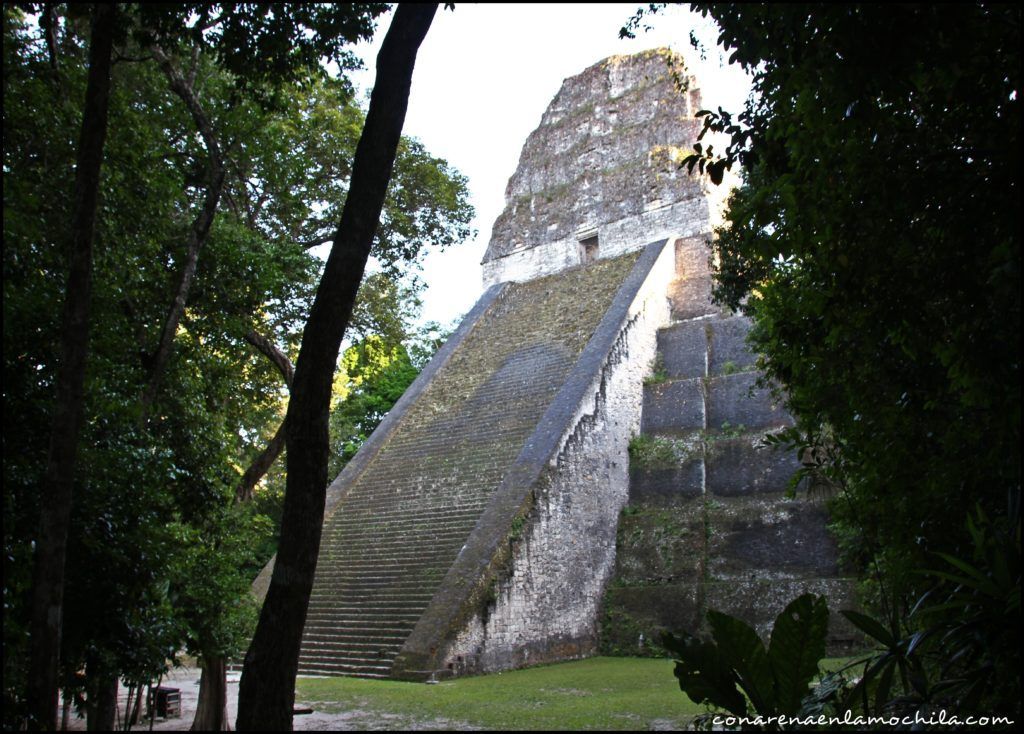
<point x="736" y="672"/>
<point x="958" y="652"/>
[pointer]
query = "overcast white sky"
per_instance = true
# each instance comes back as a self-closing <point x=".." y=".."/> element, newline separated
<point x="486" y="73"/>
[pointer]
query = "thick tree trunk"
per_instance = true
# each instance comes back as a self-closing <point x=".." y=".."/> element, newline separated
<point x="56" y="486"/>
<point x="212" y="707"/>
<point x="101" y="701"/>
<point x="213" y="680"/>
<point x="267" y="690"/>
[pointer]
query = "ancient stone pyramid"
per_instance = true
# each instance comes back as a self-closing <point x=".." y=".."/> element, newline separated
<point x="476" y="530"/>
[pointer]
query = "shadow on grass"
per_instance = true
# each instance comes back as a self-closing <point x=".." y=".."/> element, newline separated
<point x="599" y="693"/>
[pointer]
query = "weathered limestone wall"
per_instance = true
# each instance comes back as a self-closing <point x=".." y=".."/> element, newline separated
<point x="709" y="524"/>
<point x="684" y="219"/>
<point x="544" y="602"/>
<point x="604" y="162"/>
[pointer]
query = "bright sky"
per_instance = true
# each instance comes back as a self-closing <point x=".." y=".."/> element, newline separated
<point x="486" y="73"/>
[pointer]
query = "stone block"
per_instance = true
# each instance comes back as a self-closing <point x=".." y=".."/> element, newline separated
<point x="728" y="351"/>
<point x="659" y="485"/>
<point x="741" y="466"/>
<point x="693" y="256"/>
<point x="769" y="537"/>
<point x="691" y="298"/>
<point x="660" y="543"/>
<point x="635" y="617"/>
<point x="735" y="401"/>
<point x="676" y="406"/>
<point x="683" y="349"/>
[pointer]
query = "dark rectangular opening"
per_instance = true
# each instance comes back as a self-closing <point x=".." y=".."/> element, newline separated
<point x="588" y="250"/>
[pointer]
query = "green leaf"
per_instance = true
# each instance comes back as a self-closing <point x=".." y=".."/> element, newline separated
<point x="870" y="627"/>
<point x="742" y="649"/>
<point x="797" y="644"/>
<point x="703" y="675"/>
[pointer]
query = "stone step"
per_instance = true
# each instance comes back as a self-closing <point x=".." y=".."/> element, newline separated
<point x="368" y="622"/>
<point x="369" y="581"/>
<point x="662" y="484"/>
<point x="317" y="671"/>
<point x="661" y="544"/>
<point x="673" y="407"/>
<point x="358" y="582"/>
<point x="399" y="595"/>
<point x="727" y="348"/>
<point x="325" y="665"/>
<point x="393" y="633"/>
<point x="734" y="402"/>
<point x="326" y="638"/>
<point x="683" y="348"/>
<point x="383" y="539"/>
<point x="389" y="559"/>
<point x="424" y="517"/>
<point x="758" y="601"/>
<point x="769" y="536"/>
<point x="345" y="604"/>
<point x="396" y="559"/>
<point x="691" y="297"/>
<point x="744" y="466"/>
<point x="383" y="656"/>
<point x="379" y="656"/>
<point x="323" y="639"/>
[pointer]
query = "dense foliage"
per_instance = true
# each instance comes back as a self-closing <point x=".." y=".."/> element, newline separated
<point x="159" y="559"/>
<point x="876" y="244"/>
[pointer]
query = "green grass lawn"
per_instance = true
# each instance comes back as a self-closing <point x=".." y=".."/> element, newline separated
<point x="599" y="693"/>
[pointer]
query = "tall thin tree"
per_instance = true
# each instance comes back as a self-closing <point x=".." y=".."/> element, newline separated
<point x="59" y="477"/>
<point x="267" y="690"/>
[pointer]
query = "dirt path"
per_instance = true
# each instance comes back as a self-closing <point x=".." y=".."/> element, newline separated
<point x="187" y="681"/>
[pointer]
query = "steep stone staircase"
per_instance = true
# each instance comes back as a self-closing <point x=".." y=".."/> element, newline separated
<point x="397" y="530"/>
<point x="708" y="524"/>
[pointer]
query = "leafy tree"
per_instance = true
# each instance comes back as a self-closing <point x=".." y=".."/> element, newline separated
<point x="58" y="479"/>
<point x="876" y="245"/>
<point x="372" y="377"/>
<point x="151" y="479"/>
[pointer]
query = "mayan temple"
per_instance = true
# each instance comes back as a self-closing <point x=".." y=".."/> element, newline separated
<point x="496" y="518"/>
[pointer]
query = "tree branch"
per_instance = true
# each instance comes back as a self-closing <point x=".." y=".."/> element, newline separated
<point x="199" y="231"/>
<point x="275" y="355"/>
<point x="262" y="463"/>
<point x="48" y="22"/>
<point x="260" y="466"/>
<point x="316" y="242"/>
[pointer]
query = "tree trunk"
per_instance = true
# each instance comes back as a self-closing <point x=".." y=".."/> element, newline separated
<point x="101" y="701"/>
<point x="260" y="466"/>
<point x="57" y="482"/>
<point x="267" y="690"/>
<point x="65" y="711"/>
<point x="214" y="675"/>
<point x="212" y="707"/>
